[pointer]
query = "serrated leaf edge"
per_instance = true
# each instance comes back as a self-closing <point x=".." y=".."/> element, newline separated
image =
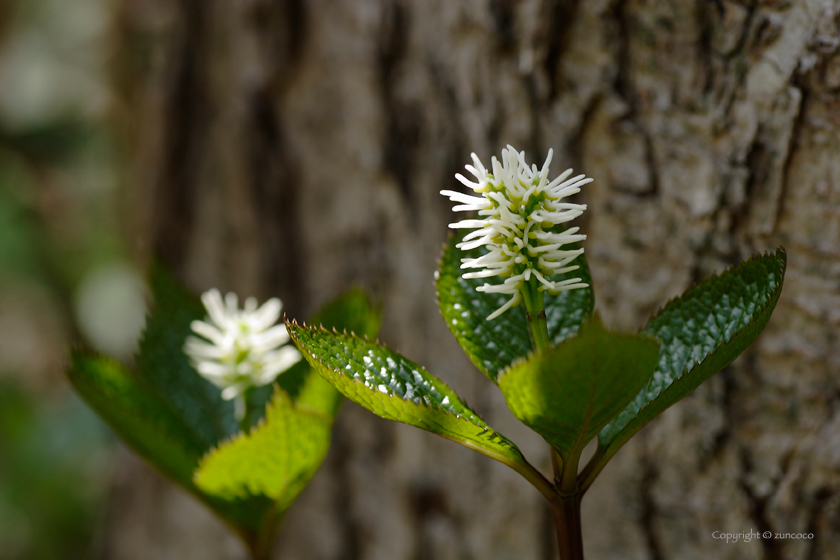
<point x="773" y="299"/>
<point x="715" y="275"/>
<point x="352" y="335"/>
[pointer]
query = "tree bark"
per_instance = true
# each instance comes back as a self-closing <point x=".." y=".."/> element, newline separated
<point x="297" y="148"/>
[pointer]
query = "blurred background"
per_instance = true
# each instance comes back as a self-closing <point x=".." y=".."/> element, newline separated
<point x="65" y="272"/>
<point x="295" y="148"/>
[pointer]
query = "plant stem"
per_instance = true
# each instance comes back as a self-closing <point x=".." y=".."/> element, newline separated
<point x="260" y="549"/>
<point x="245" y="421"/>
<point x="535" y="313"/>
<point x="593" y="468"/>
<point x="566" y="494"/>
<point x="260" y="544"/>
<point x="567" y="520"/>
<point x="537" y="480"/>
<point x="567" y="510"/>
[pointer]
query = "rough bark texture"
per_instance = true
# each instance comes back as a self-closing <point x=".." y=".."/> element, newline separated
<point x="297" y="147"/>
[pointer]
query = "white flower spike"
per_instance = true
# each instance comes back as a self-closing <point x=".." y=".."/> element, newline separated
<point x="518" y="208"/>
<point x="245" y="347"/>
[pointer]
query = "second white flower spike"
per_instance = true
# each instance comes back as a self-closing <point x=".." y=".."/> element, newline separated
<point x="243" y="348"/>
<point x="518" y="209"/>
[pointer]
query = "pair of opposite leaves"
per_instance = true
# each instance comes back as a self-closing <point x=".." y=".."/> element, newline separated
<point x="179" y="422"/>
<point x="593" y="382"/>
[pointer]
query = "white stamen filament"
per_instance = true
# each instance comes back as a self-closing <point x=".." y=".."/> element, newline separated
<point x="243" y="348"/>
<point x="516" y="241"/>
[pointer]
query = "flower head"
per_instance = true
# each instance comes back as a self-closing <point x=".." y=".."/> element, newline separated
<point x="245" y="347"/>
<point x="519" y="211"/>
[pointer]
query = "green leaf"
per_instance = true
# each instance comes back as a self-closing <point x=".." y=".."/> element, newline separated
<point x="493" y="346"/>
<point x="396" y="388"/>
<point x="172" y="416"/>
<point x="276" y="459"/>
<point x="702" y="331"/>
<point x="351" y="312"/>
<point x="164" y="365"/>
<point x="136" y="413"/>
<point x="265" y="470"/>
<point x="568" y="393"/>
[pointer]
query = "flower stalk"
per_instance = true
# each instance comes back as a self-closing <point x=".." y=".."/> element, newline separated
<point x="532" y="299"/>
<point x="519" y="217"/>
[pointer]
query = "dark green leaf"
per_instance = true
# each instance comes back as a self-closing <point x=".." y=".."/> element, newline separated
<point x="702" y="331"/>
<point x="495" y="345"/>
<point x="136" y="413"/>
<point x="274" y="462"/>
<point x="568" y="393"/>
<point x="164" y="365"/>
<point x="395" y="388"/>
<point x="144" y="421"/>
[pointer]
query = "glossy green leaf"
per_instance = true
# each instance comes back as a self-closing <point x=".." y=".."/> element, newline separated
<point x="396" y="388"/>
<point x="352" y="312"/>
<point x="702" y="331"/>
<point x="568" y="393"/>
<point x="276" y="459"/>
<point x="495" y="345"/>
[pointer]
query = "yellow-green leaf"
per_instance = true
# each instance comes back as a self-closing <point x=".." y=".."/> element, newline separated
<point x="276" y="459"/>
<point x="569" y="392"/>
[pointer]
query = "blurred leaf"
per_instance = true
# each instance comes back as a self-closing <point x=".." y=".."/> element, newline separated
<point x="702" y="331"/>
<point x="56" y="142"/>
<point x="164" y="365"/>
<point x="172" y="416"/>
<point x="395" y="388"/>
<point x="136" y="413"/>
<point x="568" y="393"/>
<point x="142" y="418"/>
<point x="276" y="459"/>
<point x="494" y="346"/>
<point x="272" y="464"/>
